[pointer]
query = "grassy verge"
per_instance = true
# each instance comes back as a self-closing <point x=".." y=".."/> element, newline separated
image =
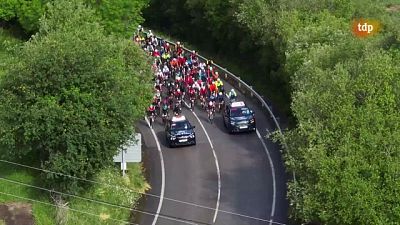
<point x="111" y="188"/>
<point x="124" y="191"/>
<point x="44" y="214"/>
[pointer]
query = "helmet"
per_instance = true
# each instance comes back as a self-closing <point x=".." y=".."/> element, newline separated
<point x="220" y="93"/>
<point x="178" y="90"/>
<point x="178" y="42"/>
<point x="218" y="78"/>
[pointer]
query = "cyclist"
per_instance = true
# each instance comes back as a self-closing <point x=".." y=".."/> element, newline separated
<point x="192" y="96"/>
<point x="215" y="75"/>
<point x="220" y="99"/>
<point x="171" y="100"/>
<point x="178" y="96"/>
<point x="196" y="86"/>
<point x="211" y="107"/>
<point x="177" y="109"/>
<point x="232" y="95"/>
<point x="219" y="84"/>
<point x="165" y="109"/>
<point x="213" y="88"/>
<point x="151" y="111"/>
<point x="203" y="93"/>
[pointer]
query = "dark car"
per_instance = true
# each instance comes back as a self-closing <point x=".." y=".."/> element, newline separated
<point x="238" y="117"/>
<point x="179" y="131"/>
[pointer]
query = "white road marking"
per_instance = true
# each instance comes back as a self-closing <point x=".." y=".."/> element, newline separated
<point x="273" y="175"/>
<point x="162" y="174"/>
<point x="216" y="163"/>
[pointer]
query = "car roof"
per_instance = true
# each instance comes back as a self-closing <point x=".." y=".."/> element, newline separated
<point x="237" y="104"/>
<point x="178" y="118"/>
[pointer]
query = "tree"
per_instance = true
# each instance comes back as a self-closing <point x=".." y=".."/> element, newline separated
<point x="120" y="16"/>
<point x="73" y="96"/>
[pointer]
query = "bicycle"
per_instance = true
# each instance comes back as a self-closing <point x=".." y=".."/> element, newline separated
<point x="203" y="102"/>
<point x="211" y="112"/>
<point x="151" y="119"/>
<point x="192" y="102"/>
<point x="221" y="105"/>
<point x="164" y="116"/>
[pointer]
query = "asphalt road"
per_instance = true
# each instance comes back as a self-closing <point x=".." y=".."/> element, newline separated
<point x="251" y="180"/>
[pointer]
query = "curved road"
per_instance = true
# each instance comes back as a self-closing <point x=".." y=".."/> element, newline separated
<point x="250" y="176"/>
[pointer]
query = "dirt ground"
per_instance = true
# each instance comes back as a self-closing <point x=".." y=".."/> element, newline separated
<point x="393" y="8"/>
<point x="16" y="214"/>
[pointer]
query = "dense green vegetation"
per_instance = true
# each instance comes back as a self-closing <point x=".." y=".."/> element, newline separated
<point x="72" y="95"/>
<point x="117" y="16"/>
<point x="345" y="93"/>
<point x="69" y="99"/>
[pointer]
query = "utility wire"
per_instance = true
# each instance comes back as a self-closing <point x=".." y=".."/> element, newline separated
<point x="65" y="207"/>
<point x="177" y="219"/>
<point x="146" y="194"/>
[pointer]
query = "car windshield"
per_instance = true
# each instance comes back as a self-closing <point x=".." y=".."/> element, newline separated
<point x="238" y="112"/>
<point x="180" y="125"/>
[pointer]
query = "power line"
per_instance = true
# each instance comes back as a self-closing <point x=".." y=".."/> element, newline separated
<point x="138" y="192"/>
<point x="65" y="207"/>
<point x="176" y="219"/>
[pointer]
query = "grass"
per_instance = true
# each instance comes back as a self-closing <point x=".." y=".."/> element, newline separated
<point x="43" y="214"/>
<point x="124" y="191"/>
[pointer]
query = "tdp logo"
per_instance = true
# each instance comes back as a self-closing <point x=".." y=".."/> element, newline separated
<point x="365" y="28"/>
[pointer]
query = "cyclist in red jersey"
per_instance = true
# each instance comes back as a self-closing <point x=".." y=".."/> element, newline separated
<point x="203" y="91"/>
<point x="178" y="94"/>
<point x="213" y="88"/>
<point x="191" y="92"/>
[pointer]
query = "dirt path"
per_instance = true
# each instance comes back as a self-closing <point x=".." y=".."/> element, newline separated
<point x="16" y="214"/>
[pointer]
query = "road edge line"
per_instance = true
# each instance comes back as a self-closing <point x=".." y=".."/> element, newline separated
<point x="273" y="174"/>
<point x="162" y="173"/>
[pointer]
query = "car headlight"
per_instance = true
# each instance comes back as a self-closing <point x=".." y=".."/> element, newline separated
<point x="232" y="123"/>
<point x="173" y="137"/>
<point x="252" y="120"/>
<point x="191" y="136"/>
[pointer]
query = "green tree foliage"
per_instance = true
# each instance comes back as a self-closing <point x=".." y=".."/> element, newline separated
<point x="7" y="9"/>
<point x="73" y="95"/>
<point x="120" y="16"/>
<point x="346" y="102"/>
<point x="26" y="13"/>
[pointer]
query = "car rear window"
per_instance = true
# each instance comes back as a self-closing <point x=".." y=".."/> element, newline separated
<point x="237" y="112"/>
<point x="181" y="125"/>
